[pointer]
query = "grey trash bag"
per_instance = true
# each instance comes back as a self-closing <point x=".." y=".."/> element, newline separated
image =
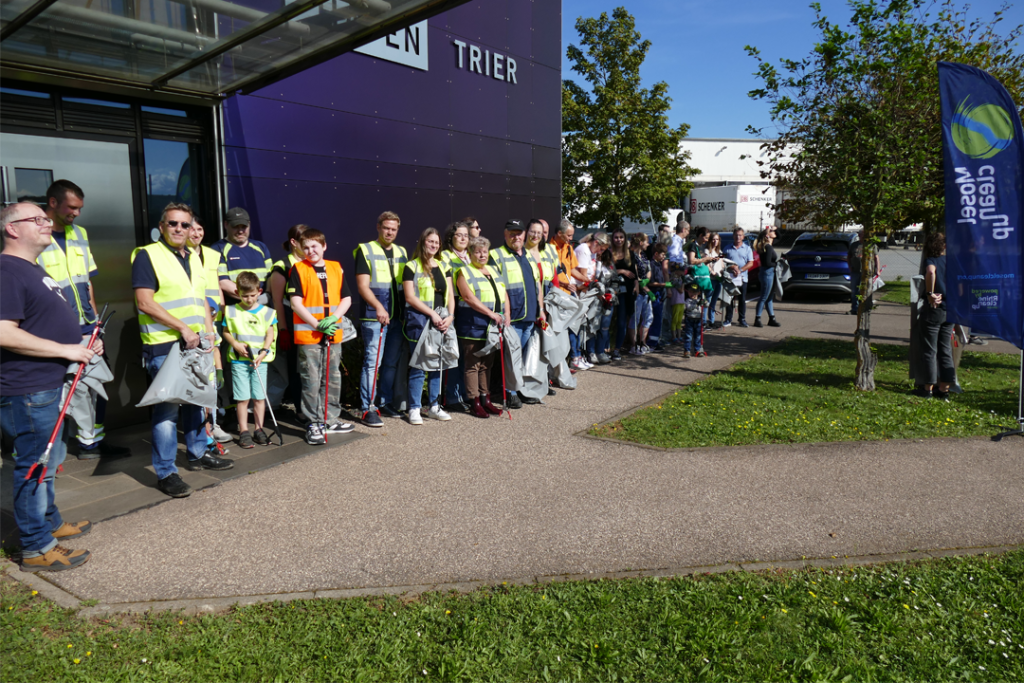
<point x="554" y="347"/>
<point x="560" y="308"/>
<point x="187" y="376"/>
<point x="513" y="359"/>
<point x="435" y="351"/>
<point x="348" y="330"/>
<point x="82" y="408"/>
<point x="535" y="370"/>
<point x="490" y="343"/>
<point x="592" y="311"/>
<point x="563" y="377"/>
<point x="782" y="274"/>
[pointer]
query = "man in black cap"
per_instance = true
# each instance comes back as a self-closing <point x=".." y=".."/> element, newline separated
<point x="239" y="254"/>
<point x="521" y="277"/>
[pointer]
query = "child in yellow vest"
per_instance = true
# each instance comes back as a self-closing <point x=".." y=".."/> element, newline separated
<point x="250" y="326"/>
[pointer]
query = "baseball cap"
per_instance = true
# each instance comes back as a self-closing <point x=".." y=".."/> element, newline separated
<point x="237" y="216"/>
<point x="514" y="224"/>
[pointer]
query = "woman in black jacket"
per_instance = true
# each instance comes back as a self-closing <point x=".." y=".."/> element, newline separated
<point x="937" y="367"/>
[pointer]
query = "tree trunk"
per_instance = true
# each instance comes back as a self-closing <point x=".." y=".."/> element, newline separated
<point x="866" y="359"/>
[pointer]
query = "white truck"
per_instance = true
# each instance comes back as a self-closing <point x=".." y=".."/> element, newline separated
<point x="719" y="208"/>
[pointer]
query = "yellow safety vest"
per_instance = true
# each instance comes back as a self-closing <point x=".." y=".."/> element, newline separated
<point x="454" y="263"/>
<point x="181" y="297"/>
<point x="549" y="259"/>
<point x="211" y="262"/>
<point x="381" y="277"/>
<point x="424" y="282"/>
<point x="512" y="277"/>
<point x="250" y="328"/>
<point x="469" y="322"/>
<point x="71" y="269"/>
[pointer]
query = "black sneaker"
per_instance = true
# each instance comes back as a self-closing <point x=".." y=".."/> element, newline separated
<point x="103" y="450"/>
<point x="315" y="434"/>
<point x="372" y="419"/>
<point x="530" y="401"/>
<point x="513" y="402"/>
<point x="940" y="395"/>
<point x="551" y="392"/>
<point x="921" y="392"/>
<point x="341" y="428"/>
<point x="772" y="322"/>
<point x="616" y="355"/>
<point x="245" y="440"/>
<point x="388" y="411"/>
<point x="210" y="462"/>
<point x="458" y="407"/>
<point x="174" y="486"/>
<point x="261" y="438"/>
<point x="743" y="323"/>
<point x="757" y="322"/>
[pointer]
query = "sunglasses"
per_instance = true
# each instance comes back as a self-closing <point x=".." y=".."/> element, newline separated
<point x="184" y="224"/>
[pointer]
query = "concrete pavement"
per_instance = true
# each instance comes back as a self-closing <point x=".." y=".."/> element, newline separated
<point x="496" y="500"/>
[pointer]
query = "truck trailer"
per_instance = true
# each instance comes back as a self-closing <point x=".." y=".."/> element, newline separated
<point x="720" y="208"/>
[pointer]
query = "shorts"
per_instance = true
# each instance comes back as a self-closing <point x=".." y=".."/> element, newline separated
<point x="244" y="383"/>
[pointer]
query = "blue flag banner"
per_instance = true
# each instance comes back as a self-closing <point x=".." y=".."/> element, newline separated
<point x="983" y="155"/>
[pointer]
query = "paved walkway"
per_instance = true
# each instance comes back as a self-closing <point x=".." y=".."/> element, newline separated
<point x="499" y="500"/>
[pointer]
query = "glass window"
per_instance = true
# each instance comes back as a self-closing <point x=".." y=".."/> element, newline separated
<point x="30" y="184"/>
<point x="172" y="175"/>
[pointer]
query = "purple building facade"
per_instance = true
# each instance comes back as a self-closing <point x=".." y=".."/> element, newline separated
<point x="476" y="132"/>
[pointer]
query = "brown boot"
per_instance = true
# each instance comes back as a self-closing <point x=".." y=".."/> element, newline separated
<point x="477" y="409"/>
<point x="485" y="401"/>
<point x="69" y="530"/>
<point x="57" y="559"/>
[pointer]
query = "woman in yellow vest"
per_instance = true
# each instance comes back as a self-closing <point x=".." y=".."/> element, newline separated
<point x="456" y="256"/>
<point x="427" y="283"/>
<point x="283" y="381"/>
<point x="546" y="259"/>
<point x="481" y="296"/>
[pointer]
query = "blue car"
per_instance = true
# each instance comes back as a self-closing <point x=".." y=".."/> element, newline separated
<point x="819" y="261"/>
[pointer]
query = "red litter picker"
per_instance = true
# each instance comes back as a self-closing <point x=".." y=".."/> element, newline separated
<point x="45" y="457"/>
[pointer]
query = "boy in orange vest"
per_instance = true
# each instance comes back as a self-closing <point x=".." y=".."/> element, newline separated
<point x="320" y="297"/>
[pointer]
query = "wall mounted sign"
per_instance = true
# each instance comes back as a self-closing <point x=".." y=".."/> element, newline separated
<point x="408" y="47"/>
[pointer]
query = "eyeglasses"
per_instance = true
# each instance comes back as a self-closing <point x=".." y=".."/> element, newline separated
<point x="185" y="225"/>
<point x="41" y="221"/>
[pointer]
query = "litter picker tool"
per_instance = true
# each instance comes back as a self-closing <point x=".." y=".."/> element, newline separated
<point x="45" y="457"/>
<point x="325" y="340"/>
<point x="501" y="350"/>
<point x="263" y="386"/>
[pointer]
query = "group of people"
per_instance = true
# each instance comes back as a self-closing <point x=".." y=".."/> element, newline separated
<point x="275" y="329"/>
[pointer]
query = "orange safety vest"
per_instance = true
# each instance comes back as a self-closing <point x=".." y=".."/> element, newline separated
<point x="313" y="300"/>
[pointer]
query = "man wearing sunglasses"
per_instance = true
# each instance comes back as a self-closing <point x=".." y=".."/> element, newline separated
<point x="68" y="260"/>
<point x="170" y="293"/>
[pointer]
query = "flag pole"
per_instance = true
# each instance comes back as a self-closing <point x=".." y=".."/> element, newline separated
<point x="1020" y="406"/>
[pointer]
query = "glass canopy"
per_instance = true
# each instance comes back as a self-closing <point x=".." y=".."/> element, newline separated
<point x="210" y="48"/>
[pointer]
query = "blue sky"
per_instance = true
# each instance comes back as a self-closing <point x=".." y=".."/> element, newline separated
<point x="697" y="48"/>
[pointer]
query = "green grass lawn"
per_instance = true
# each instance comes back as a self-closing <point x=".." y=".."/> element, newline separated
<point x="801" y="391"/>
<point x="951" y="619"/>
<point x="897" y="292"/>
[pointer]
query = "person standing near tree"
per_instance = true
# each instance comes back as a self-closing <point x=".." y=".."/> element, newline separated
<point x="39" y="336"/>
<point x="170" y="295"/>
<point x="379" y="266"/>
<point x="68" y="260"/>
<point x="854" y="257"/>
<point x="938" y="370"/>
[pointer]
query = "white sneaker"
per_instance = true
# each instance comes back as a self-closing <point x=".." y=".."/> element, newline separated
<point x="414" y="416"/>
<point x="592" y="360"/>
<point x="437" y="413"/>
<point x="585" y="364"/>
<point x="578" y="363"/>
<point x="219" y="434"/>
<point x="645" y="349"/>
<point x="635" y="351"/>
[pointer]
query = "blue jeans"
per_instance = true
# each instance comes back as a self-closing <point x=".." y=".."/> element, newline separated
<point x="716" y="291"/>
<point x="574" y="345"/>
<point x="691" y="334"/>
<point x="767" y="278"/>
<point x="600" y="343"/>
<point x="658" y="311"/>
<point x="165" y="429"/>
<point x="394" y="343"/>
<point x="525" y="330"/>
<point x="28" y="420"/>
<point x="416" y="376"/>
<point x="854" y="292"/>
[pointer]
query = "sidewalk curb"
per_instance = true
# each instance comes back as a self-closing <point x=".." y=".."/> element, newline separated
<point x="213" y="605"/>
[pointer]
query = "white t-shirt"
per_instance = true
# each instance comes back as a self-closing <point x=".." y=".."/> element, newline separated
<point x="587" y="262"/>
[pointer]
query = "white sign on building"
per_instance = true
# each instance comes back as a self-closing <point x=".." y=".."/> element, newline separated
<point x="408" y="47"/>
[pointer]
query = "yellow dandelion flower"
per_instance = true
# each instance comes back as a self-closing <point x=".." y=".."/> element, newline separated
<point x="76" y="661"/>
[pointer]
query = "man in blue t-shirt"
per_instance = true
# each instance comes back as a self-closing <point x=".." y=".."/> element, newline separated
<point x="39" y="336"/>
<point x="742" y="256"/>
<point x="239" y="254"/>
